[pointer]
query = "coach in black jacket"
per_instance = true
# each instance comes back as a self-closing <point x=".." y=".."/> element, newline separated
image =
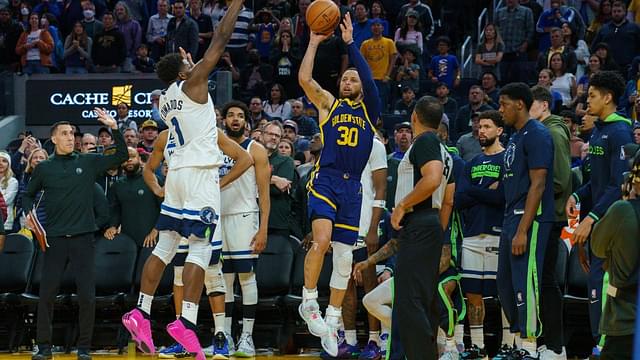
<point x="68" y="179"/>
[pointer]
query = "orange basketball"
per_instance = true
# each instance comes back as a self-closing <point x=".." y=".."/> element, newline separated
<point x="323" y="16"/>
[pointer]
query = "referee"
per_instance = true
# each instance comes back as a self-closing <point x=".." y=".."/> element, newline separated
<point x="423" y="174"/>
<point x="68" y="179"/>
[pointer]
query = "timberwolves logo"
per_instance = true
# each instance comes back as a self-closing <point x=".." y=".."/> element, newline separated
<point x="79" y="171"/>
<point x="207" y="215"/>
<point x="140" y="192"/>
<point x="509" y="156"/>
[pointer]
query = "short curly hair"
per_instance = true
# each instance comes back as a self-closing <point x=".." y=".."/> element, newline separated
<point x="168" y="67"/>
<point x="608" y="82"/>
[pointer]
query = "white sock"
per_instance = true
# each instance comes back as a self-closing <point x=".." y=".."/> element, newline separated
<point x="190" y="311"/>
<point x="219" y="322"/>
<point x="517" y="340"/>
<point x="450" y="344"/>
<point x="247" y="325"/>
<point x="374" y="336"/>
<point x="228" y="321"/>
<point x="477" y="335"/>
<point x="144" y="302"/>
<point x="441" y="338"/>
<point x="530" y="346"/>
<point x="333" y="316"/>
<point x="507" y="336"/>
<point x="459" y="333"/>
<point x="309" y="294"/>
<point x="350" y="337"/>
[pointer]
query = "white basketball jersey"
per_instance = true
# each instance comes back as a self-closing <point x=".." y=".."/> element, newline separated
<point x="193" y="127"/>
<point x="169" y="147"/>
<point x="241" y="195"/>
<point x="377" y="161"/>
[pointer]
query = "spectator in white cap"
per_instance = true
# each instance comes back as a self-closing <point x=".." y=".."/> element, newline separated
<point x="8" y="187"/>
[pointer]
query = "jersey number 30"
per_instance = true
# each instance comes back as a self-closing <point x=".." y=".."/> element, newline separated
<point x="348" y="136"/>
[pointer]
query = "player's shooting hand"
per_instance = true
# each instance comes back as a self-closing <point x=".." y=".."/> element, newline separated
<point x="106" y="119"/>
<point x="111" y="233"/>
<point x="581" y="234"/>
<point x="151" y="239"/>
<point x="316" y="39"/>
<point x="259" y="242"/>
<point x="396" y="217"/>
<point x="519" y="244"/>
<point x="186" y="57"/>
<point x="347" y="29"/>
<point x="358" y="269"/>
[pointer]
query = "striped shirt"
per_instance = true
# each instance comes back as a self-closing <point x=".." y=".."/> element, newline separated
<point x="516" y="27"/>
<point x="240" y="36"/>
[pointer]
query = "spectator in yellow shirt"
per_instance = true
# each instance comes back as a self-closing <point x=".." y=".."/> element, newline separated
<point x="380" y="52"/>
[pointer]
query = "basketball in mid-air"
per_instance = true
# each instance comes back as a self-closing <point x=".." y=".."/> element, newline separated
<point x="323" y="16"/>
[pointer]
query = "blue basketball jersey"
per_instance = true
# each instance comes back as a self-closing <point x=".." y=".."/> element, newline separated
<point x="347" y="137"/>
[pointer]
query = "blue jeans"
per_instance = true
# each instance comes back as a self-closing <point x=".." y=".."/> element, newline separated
<point x="34" y="67"/>
<point x="76" y="70"/>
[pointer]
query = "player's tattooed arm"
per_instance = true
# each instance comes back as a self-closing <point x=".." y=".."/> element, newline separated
<point x="445" y="258"/>
<point x="385" y="252"/>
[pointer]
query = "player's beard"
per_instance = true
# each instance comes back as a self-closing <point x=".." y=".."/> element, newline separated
<point x="133" y="170"/>
<point x="487" y="142"/>
<point x="235" y="133"/>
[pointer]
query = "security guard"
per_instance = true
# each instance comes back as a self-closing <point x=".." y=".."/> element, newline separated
<point x="68" y="179"/>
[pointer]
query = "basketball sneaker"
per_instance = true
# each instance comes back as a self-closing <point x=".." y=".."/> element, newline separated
<point x="310" y="312"/>
<point x="220" y="346"/>
<point x="370" y="352"/>
<point x="505" y="353"/>
<point x="473" y="353"/>
<point x="245" y="347"/>
<point x="140" y="329"/>
<point x="186" y="337"/>
<point x="174" y="351"/>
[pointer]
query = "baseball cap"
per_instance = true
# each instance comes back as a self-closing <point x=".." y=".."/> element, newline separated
<point x="376" y="21"/>
<point x="156" y="92"/>
<point x="292" y="124"/>
<point x="149" y="123"/>
<point x="105" y="129"/>
<point x="412" y="13"/>
<point x="403" y="125"/>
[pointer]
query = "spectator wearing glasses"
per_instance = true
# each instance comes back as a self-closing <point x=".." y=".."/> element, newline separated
<point x="282" y="176"/>
<point x="256" y="111"/>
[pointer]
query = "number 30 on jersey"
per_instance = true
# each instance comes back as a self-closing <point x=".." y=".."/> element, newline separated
<point x="348" y="136"/>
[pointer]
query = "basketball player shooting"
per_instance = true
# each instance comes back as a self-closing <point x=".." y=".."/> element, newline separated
<point x="335" y="192"/>
<point x="192" y="190"/>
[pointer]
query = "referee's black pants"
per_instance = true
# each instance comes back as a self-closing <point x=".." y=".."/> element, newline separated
<point x="79" y="249"/>
<point x="416" y="280"/>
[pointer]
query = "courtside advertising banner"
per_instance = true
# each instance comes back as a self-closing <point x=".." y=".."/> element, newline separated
<point x="55" y="98"/>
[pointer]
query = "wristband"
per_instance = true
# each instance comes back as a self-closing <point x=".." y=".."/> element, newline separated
<point x="379" y="204"/>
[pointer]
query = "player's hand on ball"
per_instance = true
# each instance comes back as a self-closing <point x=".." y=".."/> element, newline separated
<point x="106" y="119"/>
<point x="315" y="38"/>
<point x="347" y="29"/>
<point x="259" y="242"/>
<point x="151" y="239"/>
<point x="519" y="244"/>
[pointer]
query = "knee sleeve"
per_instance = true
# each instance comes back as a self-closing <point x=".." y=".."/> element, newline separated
<point x="167" y="246"/>
<point x="229" y="279"/>
<point x="177" y="275"/>
<point x="199" y="252"/>
<point x="249" y="288"/>
<point x="342" y="261"/>
<point x="213" y="281"/>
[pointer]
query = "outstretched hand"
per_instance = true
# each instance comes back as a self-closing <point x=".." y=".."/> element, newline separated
<point x="106" y="119"/>
<point x="187" y="57"/>
<point x="347" y="29"/>
<point x="316" y="38"/>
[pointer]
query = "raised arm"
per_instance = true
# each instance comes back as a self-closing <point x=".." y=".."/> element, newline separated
<point x="149" y="170"/>
<point x="195" y="87"/>
<point x="321" y="98"/>
<point x="369" y="88"/>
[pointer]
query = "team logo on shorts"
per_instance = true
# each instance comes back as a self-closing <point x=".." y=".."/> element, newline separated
<point x="207" y="215"/>
<point x="79" y="171"/>
<point x="594" y="294"/>
<point x="140" y="192"/>
<point x="519" y="296"/>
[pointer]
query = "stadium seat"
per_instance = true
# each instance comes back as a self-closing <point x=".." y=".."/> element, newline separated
<point x="577" y="331"/>
<point x="16" y="261"/>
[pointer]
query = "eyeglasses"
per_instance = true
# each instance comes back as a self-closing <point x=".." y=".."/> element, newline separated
<point x="278" y="136"/>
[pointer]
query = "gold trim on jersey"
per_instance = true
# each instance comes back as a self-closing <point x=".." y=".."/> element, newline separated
<point x="347" y="227"/>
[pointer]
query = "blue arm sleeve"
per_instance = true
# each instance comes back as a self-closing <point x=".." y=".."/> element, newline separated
<point x="583" y="194"/>
<point x="488" y="196"/>
<point x="369" y="89"/>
